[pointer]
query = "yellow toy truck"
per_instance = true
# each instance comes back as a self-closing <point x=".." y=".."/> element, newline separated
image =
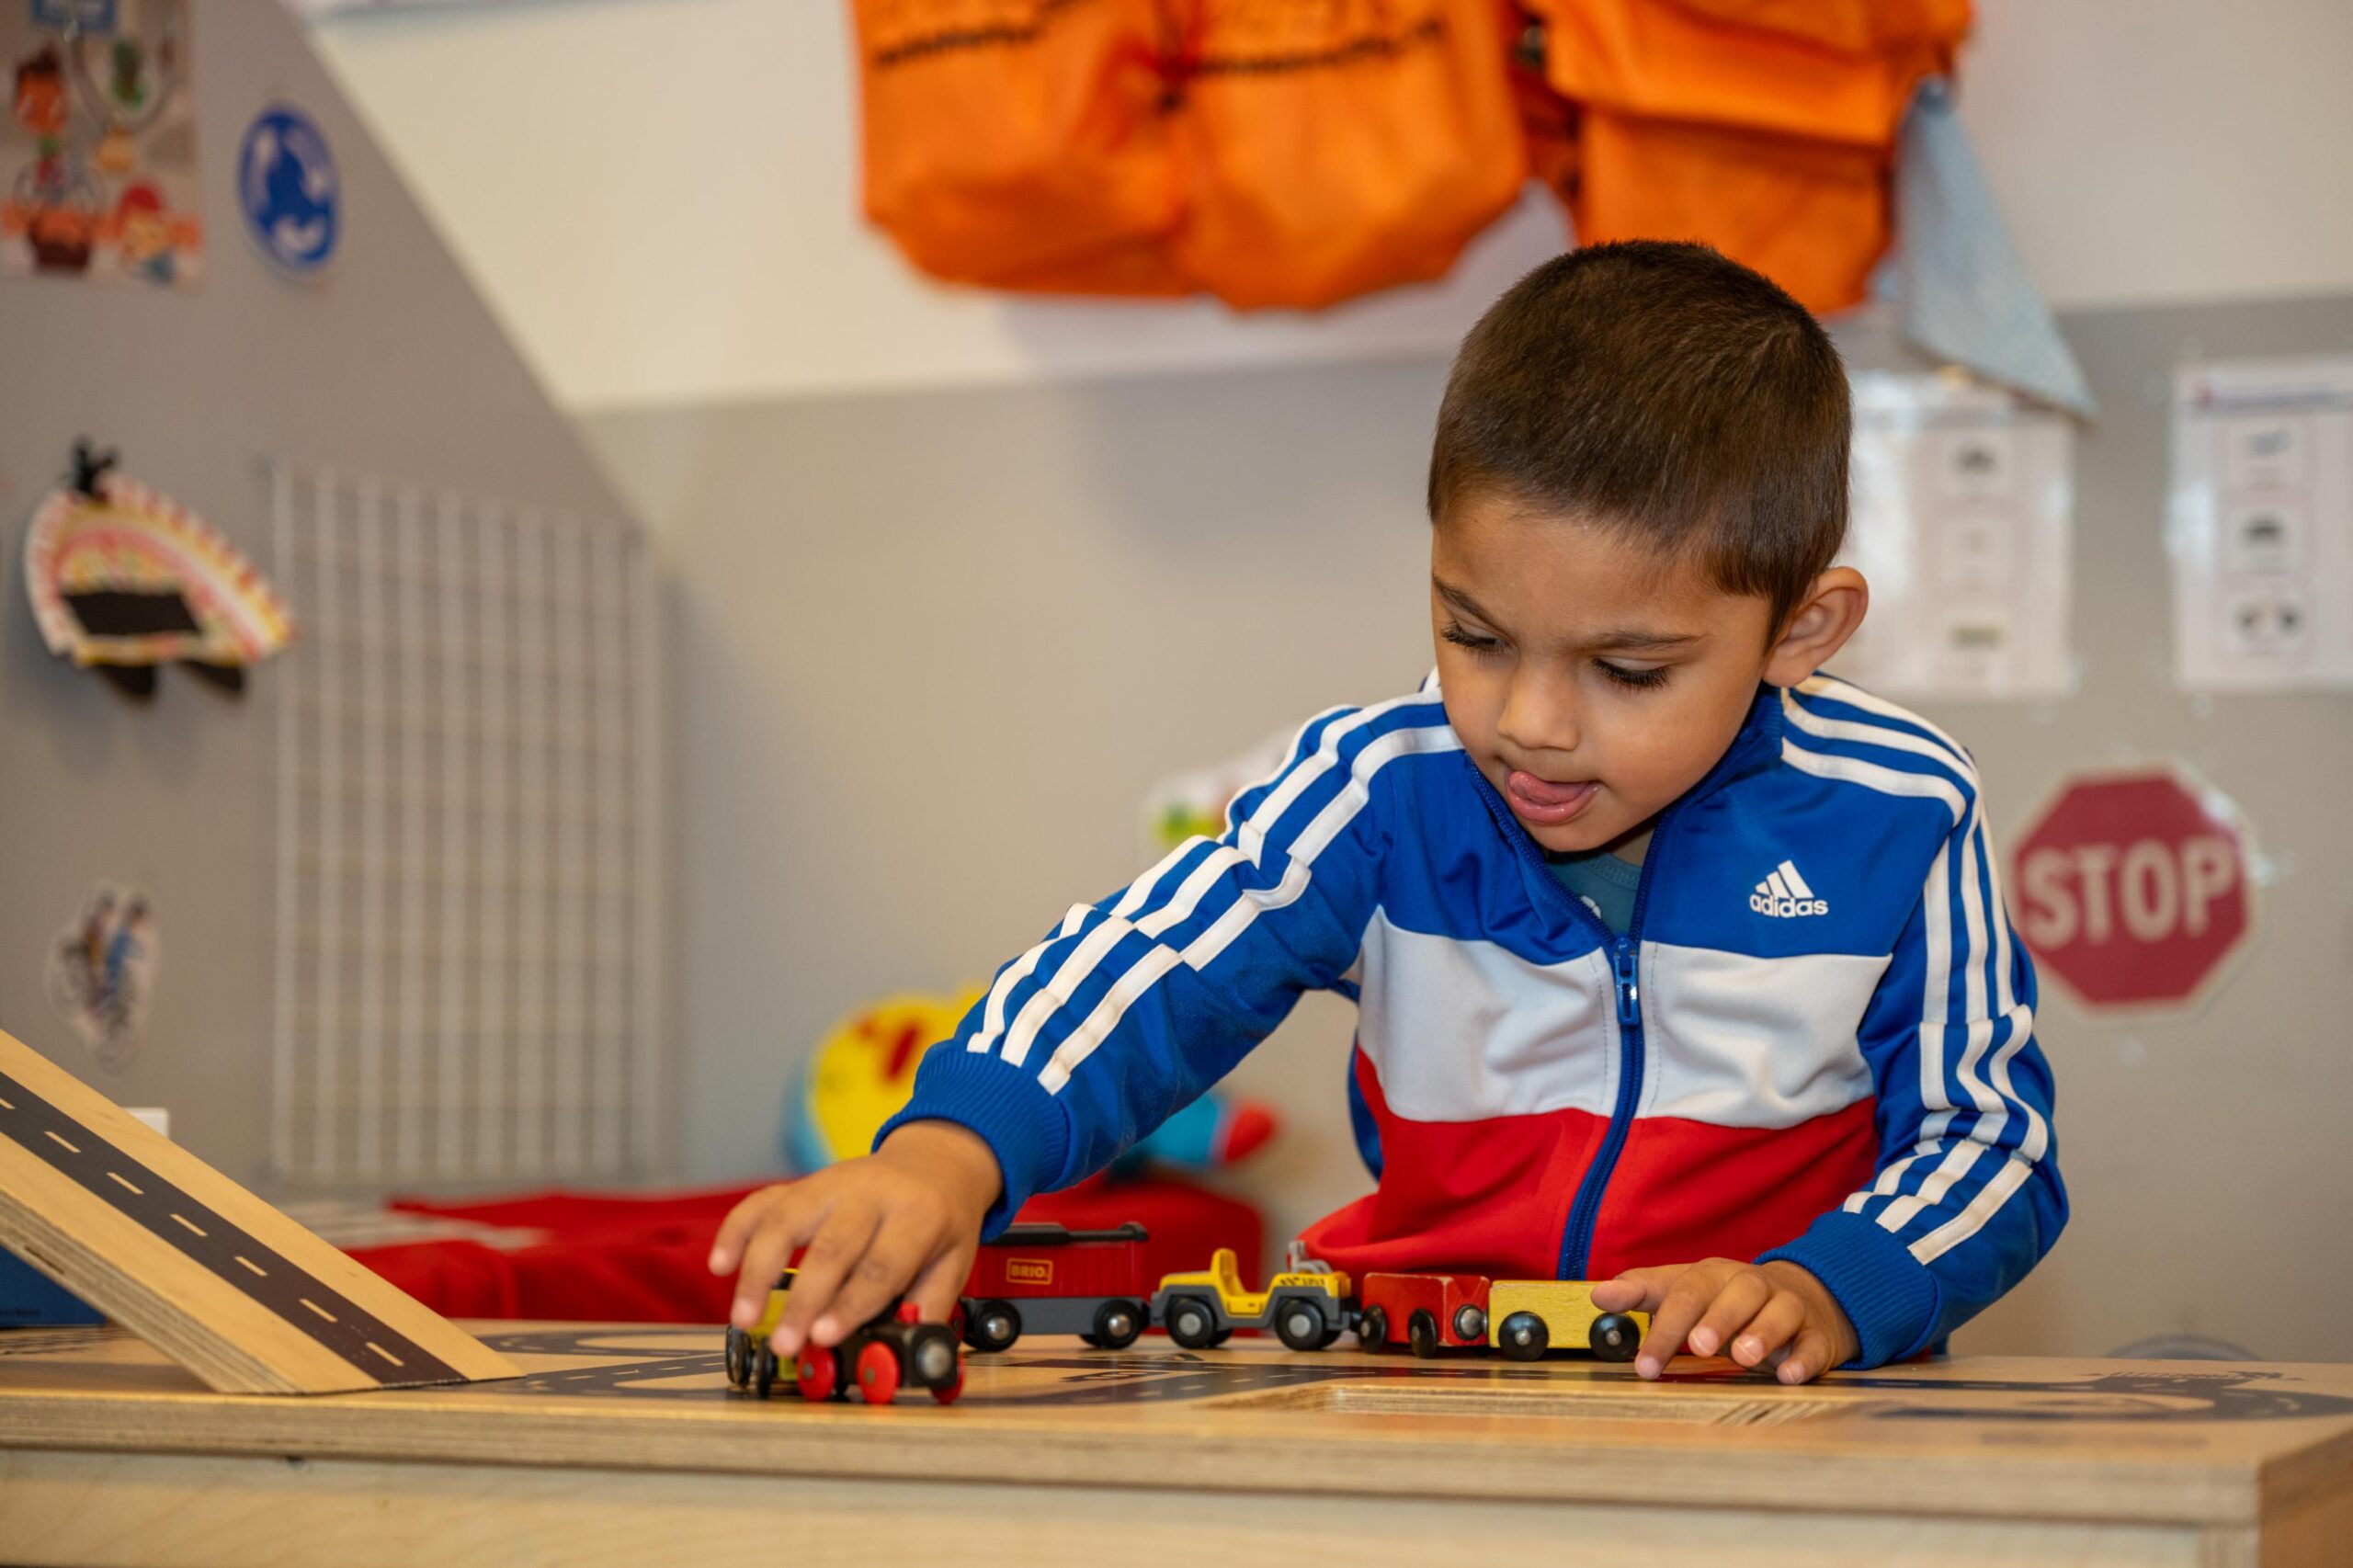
<point x="1308" y="1305"/>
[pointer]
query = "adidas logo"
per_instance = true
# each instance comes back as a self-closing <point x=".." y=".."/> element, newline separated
<point x="1784" y="895"/>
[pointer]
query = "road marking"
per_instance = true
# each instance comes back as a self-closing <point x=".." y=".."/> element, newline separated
<point x="316" y="1308"/>
<point x="8" y="1104"/>
<point x="193" y="1227"/>
<point x="256" y="1268"/>
<point x="120" y="1179"/>
<point x="382" y="1351"/>
<point x="60" y="1143"/>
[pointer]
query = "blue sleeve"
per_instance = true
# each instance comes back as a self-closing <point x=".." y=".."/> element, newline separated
<point x="1967" y="1196"/>
<point x="1131" y="1007"/>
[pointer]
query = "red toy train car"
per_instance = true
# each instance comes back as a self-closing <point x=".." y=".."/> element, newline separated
<point x="1039" y="1278"/>
<point x="1426" y="1313"/>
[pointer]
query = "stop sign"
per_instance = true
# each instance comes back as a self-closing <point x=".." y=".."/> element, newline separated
<point x="2134" y="889"/>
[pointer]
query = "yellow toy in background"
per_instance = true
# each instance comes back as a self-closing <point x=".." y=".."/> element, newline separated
<point x="862" y="1072"/>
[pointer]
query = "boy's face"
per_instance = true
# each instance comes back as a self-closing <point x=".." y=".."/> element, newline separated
<point x="1590" y="679"/>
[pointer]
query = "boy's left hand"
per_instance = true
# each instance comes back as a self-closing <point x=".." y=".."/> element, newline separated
<point x="1761" y="1315"/>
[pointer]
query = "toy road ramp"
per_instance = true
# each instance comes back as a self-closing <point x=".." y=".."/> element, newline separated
<point x="181" y="1256"/>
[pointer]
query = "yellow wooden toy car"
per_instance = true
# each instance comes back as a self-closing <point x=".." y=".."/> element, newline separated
<point x="1528" y="1317"/>
<point x="1307" y="1305"/>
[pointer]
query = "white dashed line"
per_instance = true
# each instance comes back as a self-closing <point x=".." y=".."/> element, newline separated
<point x="193" y="1227"/>
<point x="8" y="1104"/>
<point x="256" y="1268"/>
<point x="318" y="1309"/>
<point x="60" y="1141"/>
<point x="379" y="1349"/>
<point x="125" y="1185"/>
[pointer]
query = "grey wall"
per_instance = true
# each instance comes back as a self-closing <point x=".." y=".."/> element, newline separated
<point x="390" y="364"/>
<point x="933" y="649"/>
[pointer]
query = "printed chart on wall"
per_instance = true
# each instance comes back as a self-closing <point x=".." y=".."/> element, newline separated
<point x="98" y="159"/>
<point x="2261" y="532"/>
<point x="1964" y="499"/>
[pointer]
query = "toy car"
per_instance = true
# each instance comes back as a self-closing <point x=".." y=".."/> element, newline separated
<point x="885" y="1354"/>
<point x="1426" y="1313"/>
<point x="1528" y="1317"/>
<point x="1307" y="1305"/>
<point x="1040" y="1279"/>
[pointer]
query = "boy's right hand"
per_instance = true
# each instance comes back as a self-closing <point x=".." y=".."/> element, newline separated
<point x="903" y="1220"/>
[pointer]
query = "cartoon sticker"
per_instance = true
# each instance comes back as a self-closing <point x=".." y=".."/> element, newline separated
<point x="101" y="973"/>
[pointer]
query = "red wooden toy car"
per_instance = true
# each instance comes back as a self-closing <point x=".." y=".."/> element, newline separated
<point x="1426" y="1313"/>
<point x="1045" y="1280"/>
<point x="888" y="1353"/>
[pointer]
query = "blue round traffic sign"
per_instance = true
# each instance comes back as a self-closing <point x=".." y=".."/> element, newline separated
<point x="287" y="189"/>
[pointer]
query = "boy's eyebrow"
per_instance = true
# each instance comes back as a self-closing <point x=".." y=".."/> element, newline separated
<point x="1626" y="638"/>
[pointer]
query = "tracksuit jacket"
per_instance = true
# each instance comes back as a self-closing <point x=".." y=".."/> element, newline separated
<point x="1815" y="1041"/>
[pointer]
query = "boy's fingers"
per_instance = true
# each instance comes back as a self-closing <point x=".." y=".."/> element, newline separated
<point x="1672" y="1319"/>
<point x="1737" y="1299"/>
<point x="727" y="1245"/>
<point x="940" y="1283"/>
<point x="1769" y="1329"/>
<point x="783" y="1225"/>
<point x="1809" y="1359"/>
<point x="832" y="1252"/>
<point x="1636" y="1291"/>
<point x="892" y="1254"/>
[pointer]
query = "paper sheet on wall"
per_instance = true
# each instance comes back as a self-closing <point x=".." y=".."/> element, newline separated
<point x="1963" y="503"/>
<point x="2261" y="524"/>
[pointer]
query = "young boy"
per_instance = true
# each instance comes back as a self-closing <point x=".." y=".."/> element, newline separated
<point x="1679" y="965"/>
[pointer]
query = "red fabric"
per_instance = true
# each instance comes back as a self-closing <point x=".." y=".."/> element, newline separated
<point x="625" y="1257"/>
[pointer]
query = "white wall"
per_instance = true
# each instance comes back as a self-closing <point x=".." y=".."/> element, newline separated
<point x="659" y="196"/>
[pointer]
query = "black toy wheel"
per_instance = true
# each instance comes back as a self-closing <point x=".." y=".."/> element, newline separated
<point x="1615" y="1338"/>
<point x="993" y="1325"/>
<point x="1421" y="1334"/>
<point x="1116" y="1325"/>
<point x="1471" y="1325"/>
<point x="763" y="1371"/>
<point x="1331" y="1337"/>
<point x="1192" y="1323"/>
<point x="931" y="1360"/>
<point x="739" y="1357"/>
<point x="1523" y="1336"/>
<point x="1373" y="1328"/>
<point x="1299" y="1323"/>
<point x="1219" y="1337"/>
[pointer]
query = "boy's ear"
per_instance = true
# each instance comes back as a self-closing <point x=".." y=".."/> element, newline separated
<point x="1833" y="608"/>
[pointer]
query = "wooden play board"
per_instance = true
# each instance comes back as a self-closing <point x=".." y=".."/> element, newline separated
<point x="623" y="1444"/>
<point x="166" y="1245"/>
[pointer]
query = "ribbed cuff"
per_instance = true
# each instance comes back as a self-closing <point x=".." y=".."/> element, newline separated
<point x="1888" y="1295"/>
<point x="1025" y="1128"/>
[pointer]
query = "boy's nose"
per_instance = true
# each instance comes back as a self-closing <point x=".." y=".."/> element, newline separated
<point x="1539" y="716"/>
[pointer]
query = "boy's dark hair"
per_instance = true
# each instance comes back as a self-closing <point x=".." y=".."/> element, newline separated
<point x="1666" y="392"/>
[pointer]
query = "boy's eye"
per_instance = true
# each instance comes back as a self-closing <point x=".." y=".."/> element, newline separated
<point x="1455" y="634"/>
<point x="1624" y="676"/>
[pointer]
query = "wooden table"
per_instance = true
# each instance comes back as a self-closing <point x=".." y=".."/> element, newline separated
<point x="622" y="1445"/>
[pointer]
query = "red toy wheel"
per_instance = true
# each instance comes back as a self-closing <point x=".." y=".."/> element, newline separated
<point x="877" y="1373"/>
<point x="818" y="1374"/>
<point x="947" y="1395"/>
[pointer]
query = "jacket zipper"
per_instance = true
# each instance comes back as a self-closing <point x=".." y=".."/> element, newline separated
<point x="1625" y="969"/>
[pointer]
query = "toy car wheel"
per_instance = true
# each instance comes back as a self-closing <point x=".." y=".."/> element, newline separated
<point x="1219" y="1337"/>
<point x="818" y="1373"/>
<point x="1299" y="1323"/>
<point x="1421" y="1334"/>
<point x="1373" y="1328"/>
<point x="877" y="1372"/>
<point x="1471" y="1325"/>
<point x="764" y="1371"/>
<point x="950" y="1392"/>
<point x="1615" y="1338"/>
<point x="1191" y="1324"/>
<point x="1331" y="1337"/>
<point x="739" y="1357"/>
<point x="1523" y="1336"/>
<point x="994" y="1326"/>
<point x="1116" y="1325"/>
<point x="931" y="1359"/>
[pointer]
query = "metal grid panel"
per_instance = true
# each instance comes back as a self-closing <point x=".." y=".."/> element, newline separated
<point x="468" y="942"/>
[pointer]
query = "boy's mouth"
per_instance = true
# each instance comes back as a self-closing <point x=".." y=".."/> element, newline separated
<point x="1545" y="803"/>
